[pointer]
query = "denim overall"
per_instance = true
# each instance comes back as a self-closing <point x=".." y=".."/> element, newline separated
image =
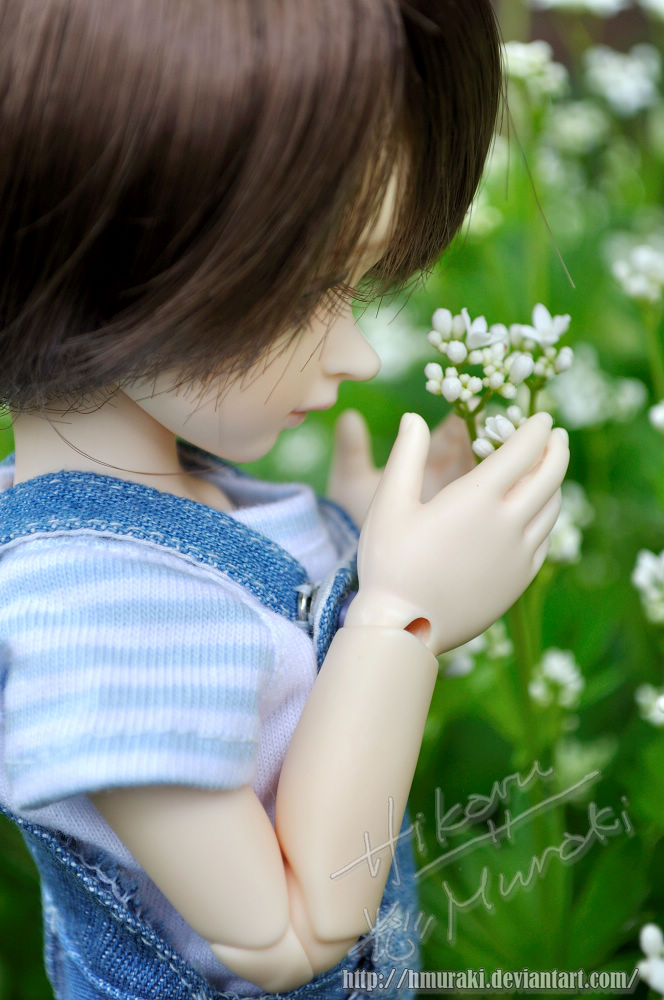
<point x="97" y="942"/>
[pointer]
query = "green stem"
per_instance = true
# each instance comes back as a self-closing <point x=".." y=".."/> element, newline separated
<point x="523" y="651"/>
<point x="532" y="406"/>
<point x="469" y="420"/>
<point x="652" y="319"/>
<point x="520" y="627"/>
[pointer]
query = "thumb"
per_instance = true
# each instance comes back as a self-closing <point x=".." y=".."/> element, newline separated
<point x="352" y="448"/>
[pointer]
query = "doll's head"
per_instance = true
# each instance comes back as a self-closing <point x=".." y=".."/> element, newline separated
<point x="183" y="183"/>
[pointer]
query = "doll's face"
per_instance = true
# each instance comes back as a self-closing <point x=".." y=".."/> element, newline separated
<point x="243" y="420"/>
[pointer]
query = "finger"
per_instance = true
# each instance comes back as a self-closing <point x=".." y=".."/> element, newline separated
<point x="541" y="526"/>
<point x="352" y="448"/>
<point x="536" y="489"/>
<point x="404" y="472"/>
<point x="519" y="454"/>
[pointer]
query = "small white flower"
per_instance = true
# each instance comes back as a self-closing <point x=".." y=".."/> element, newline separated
<point x="656" y="416"/>
<point x="495" y="380"/>
<point x="532" y="64"/>
<point x="641" y="272"/>
<point x="451" y="388"/>
<point x="648" y="578"/>
<point x="434" y="371"/>
<point x="651" y="969"/>
<point x="577" y="127"/>
<point x="442" y="322"/>
<point x="515" y="414"/>
<point x="649" y="699"/>
<point x="459" y="661"/>
<point x="564" y="360"/>
<point x="558" y="678"/>
<point x="651" y="940"/>
<point x="521" y="367"/>
<point x="626" y="80"/>
<point x="482" y="447"/>
<point x="586" y="396"/>
<point x="508" y="391"/>
<point x="546" y="329"/>
<point x="498" y="428"/>
<point x="499" y="644"/>
<point x="575" y="513"/>
<point x="457" y="352"/>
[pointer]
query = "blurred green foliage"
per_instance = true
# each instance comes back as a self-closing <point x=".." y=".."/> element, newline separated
<point x="571" y="883"/>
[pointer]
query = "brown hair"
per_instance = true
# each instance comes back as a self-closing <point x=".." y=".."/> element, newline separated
<point x="182" y="180"/>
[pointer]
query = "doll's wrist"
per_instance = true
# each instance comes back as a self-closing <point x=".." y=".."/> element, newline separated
<point x="372" y="608"/>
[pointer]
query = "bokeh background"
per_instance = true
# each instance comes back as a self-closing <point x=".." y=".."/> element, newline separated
<point x="539" y="795"/>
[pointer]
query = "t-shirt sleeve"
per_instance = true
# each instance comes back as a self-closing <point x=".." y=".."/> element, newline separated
<point x="125" y="665"/>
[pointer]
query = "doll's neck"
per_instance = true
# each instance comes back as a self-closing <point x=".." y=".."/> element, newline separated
<point x="116" y="439"/>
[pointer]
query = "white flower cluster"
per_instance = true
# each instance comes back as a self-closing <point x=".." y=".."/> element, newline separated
<point x="494" y="643"/>
<point x="651" y="969"/>
<point x="575" y="513"/>
<point x="532" y="64"/>
<point x="577" y="127"/>
<point x="641" y="273"/>
<point x="648" y="578"/>
<point x="496" y="430"/>
<point x="603" y="8"/>
<point x="499" y="360"/>
<point x="626" y="80"/>
<point x="656" y="416"/>
<point x="586" y="396"/>
<point x="574" y="759"/>
<point x="651" y="704"/>
<point x="557" y="679"/>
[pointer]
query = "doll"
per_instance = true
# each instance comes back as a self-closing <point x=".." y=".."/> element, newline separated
<point x="213" y="699"/>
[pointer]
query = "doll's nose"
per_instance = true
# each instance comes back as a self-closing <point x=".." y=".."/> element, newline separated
<point x="348" y="354"/>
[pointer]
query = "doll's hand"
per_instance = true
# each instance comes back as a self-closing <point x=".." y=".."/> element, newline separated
<point x="448" y="568"/>
<point x="450" y="455"/>
<point x="354" y="478"/>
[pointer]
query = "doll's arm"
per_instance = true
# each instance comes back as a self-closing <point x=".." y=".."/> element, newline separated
<point x="443" y="570"/>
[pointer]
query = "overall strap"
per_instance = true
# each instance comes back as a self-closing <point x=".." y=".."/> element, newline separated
<point x="68" y="501"/>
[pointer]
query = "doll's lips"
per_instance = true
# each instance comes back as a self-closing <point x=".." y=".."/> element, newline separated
<point x="295" y="417"/>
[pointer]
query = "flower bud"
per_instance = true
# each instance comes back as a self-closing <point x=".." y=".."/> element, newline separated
<point x="433" y="370"/>
<point x="651" y="940"/>
<point x="458" y="325"/>
<point x="515" y="414"/>
<point x="521" y="368"/>
<point x="496" y="380"/>
<point x="498" y="428"/>
<point x="457" y="352"/>
<point x="508" y="391"/>
<point x="433" y="387"/>
<point x="434" y="338"/>
<point x="656" y="416"/>
<point x="442" y="322"/>
<point x="565" y="359"/>
<point x="482" y="448"/>
<point x="451" y="388"/>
